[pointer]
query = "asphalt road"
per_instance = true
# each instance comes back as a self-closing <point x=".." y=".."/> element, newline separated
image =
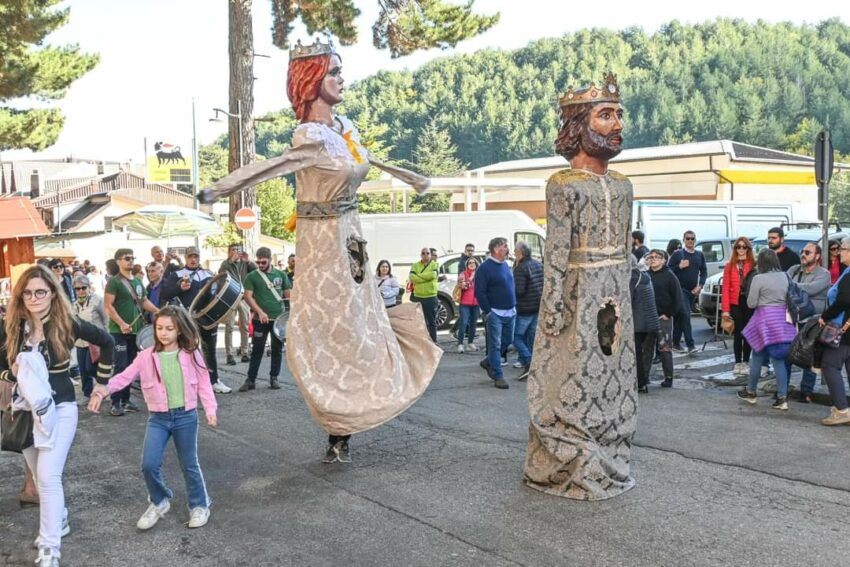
<point x="718" y="483"/>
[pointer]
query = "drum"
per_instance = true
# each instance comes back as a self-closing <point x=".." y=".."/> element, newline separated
<point x="215" y="300"/>
<point x="279" y="325"/>
<point x="145" y="338"/>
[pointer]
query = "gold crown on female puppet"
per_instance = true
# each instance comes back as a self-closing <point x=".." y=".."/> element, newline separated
<point x="317" y="48"/>
<point x="608" y="92"/>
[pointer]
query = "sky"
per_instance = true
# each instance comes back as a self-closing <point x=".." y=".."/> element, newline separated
<point x="159" y="55"/>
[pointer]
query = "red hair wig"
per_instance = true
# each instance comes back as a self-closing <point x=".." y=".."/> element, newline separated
<point x="304" y="82"/>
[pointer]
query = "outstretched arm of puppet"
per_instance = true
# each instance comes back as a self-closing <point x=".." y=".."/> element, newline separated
<point x="292" y="160"/>
<point x="558" y="242"/>
<point x="418" y="182"/>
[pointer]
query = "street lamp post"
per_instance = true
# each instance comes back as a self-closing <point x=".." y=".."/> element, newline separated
<point x="238" y="117"/>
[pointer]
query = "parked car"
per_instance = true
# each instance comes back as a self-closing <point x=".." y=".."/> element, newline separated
<point x="449" y="268"/>
<point x="795" y="240"/>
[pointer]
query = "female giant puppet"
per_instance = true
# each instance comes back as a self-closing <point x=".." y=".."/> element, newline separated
<point x="356" y="366"/>
<point x="581" y="387"/>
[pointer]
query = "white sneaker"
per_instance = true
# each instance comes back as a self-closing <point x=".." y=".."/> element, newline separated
<point x="46" y="558"/>
<point x="153" y="514"/>
<point x="199" y="517"/>
<point x="519" y="364"/>
<point x="471" y="347"/>
<point x="221" y="388"/>
<point x="460" y="349"/>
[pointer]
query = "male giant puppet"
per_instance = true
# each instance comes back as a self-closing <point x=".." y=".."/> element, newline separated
<point x="581" y="386"/>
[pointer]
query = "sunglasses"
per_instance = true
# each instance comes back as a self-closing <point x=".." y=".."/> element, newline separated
<point x="742" y="247"/>
<point x="81" y="288"/>
<point x="690" y="238"/>
<point x="806" y="253"/>
<point x="38" y="294"/>
<point x="128" y="258"/>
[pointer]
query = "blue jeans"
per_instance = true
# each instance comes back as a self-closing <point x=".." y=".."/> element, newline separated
<point x="759" y="358"/>
<point x="468" y="323"/>
<point x="183" y="426"/>
<point x="807" y="382"/>
<point x="500" y="332"/>
<point x="87" y="370"/>
<point x="524" y="332"/>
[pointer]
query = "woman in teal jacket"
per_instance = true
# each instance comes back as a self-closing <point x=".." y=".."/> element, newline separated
<point x="423" y="274"/>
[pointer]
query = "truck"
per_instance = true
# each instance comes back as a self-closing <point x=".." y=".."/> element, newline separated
<point x="399" y="237"/>
<point x="662" y="220"/>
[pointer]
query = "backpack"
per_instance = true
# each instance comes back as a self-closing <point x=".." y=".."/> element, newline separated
<point x="802" y="352"/>
<point x="799" y="304"/>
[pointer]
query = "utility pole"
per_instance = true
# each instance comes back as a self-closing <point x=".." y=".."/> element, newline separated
<point x="824" y="162"/>
<point x="241" y="98"/>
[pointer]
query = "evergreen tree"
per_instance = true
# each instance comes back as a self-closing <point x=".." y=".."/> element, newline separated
<point x="403" y="26"/>
<point x="435" y="156"/>
<point x="30" y="70"/>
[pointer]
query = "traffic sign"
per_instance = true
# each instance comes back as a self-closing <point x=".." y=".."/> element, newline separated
<point x="245" y="218"/>
<point x="824" y="158"/>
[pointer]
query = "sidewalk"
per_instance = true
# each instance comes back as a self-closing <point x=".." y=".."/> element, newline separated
<point x="719" y="482"/>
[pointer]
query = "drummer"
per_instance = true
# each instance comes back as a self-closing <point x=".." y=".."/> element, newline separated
<point x="185" y="284"/>
<point x="124" y="299"/>
<point x="265" y="291"/>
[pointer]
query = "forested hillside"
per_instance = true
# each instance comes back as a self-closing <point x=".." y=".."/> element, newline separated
<point x="773" y="85"/>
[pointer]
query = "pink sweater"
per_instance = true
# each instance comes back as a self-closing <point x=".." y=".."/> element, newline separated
<point x="196" y="381"/>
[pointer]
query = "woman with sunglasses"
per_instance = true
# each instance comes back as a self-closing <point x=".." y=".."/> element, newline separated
<point x="835" y="266"/>
<point x="39" y="318"/>
<point x="734" y="300"/>
<point x="88" y="307"/>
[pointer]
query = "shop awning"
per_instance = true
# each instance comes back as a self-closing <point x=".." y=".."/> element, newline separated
<point x="20" y="219"/>
<point x="762" y="177"/>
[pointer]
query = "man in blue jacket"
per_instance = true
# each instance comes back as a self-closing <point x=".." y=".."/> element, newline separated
<point x="688" y="265"/>
<point x="494" y="290"/>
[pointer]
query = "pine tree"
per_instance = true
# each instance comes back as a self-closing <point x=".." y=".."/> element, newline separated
<point x="403" y="26"/>
<point x="30" y="70"/>
<point x="435" y="155"/>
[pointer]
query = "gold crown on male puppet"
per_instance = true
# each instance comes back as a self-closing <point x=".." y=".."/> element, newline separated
<point x="313" y="50"/>
<point x="608" y="92"/>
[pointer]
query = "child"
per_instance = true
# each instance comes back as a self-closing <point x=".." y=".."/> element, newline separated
<point x="173" y="376"/>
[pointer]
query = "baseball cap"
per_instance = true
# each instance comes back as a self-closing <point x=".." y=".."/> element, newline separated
<point x="193" y="251"/>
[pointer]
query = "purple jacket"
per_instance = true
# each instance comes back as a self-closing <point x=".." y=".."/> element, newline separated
<point x="196" y="381"/>
<point x="769" y="326"/>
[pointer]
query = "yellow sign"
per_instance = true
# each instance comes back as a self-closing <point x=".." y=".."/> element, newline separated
<point x="168" y="164"/>
<point x="759" y="177"/>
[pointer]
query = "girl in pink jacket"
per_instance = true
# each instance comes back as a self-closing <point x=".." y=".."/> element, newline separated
<point x="173" y="376"/>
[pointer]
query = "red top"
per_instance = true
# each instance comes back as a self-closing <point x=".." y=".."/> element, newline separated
<point x="467" y="284"/>
<point x="732" y="283"/>
<point x="835" y="269"/>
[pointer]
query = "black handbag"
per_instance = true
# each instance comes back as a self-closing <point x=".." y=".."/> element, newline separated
<point x="803" y="347"/>
<point x="17" y="431"/>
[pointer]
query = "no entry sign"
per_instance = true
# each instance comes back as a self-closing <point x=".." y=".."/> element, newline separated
<point x="245" y="218"/>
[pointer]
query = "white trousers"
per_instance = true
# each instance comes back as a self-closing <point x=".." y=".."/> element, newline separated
<point x="47" y="466"/>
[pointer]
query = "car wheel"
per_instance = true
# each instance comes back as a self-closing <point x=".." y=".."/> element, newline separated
<point x="445" y="313"/>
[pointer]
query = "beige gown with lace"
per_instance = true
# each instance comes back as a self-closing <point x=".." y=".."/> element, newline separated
<point x="357" y="364"/>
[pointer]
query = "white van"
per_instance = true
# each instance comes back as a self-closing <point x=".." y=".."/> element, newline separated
<point x="662" y="221"/>
<point x="399" y="237"/>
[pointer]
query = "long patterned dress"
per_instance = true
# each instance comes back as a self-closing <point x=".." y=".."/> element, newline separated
<point x="581" y="387"/>
<point x="357" y="364"/>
